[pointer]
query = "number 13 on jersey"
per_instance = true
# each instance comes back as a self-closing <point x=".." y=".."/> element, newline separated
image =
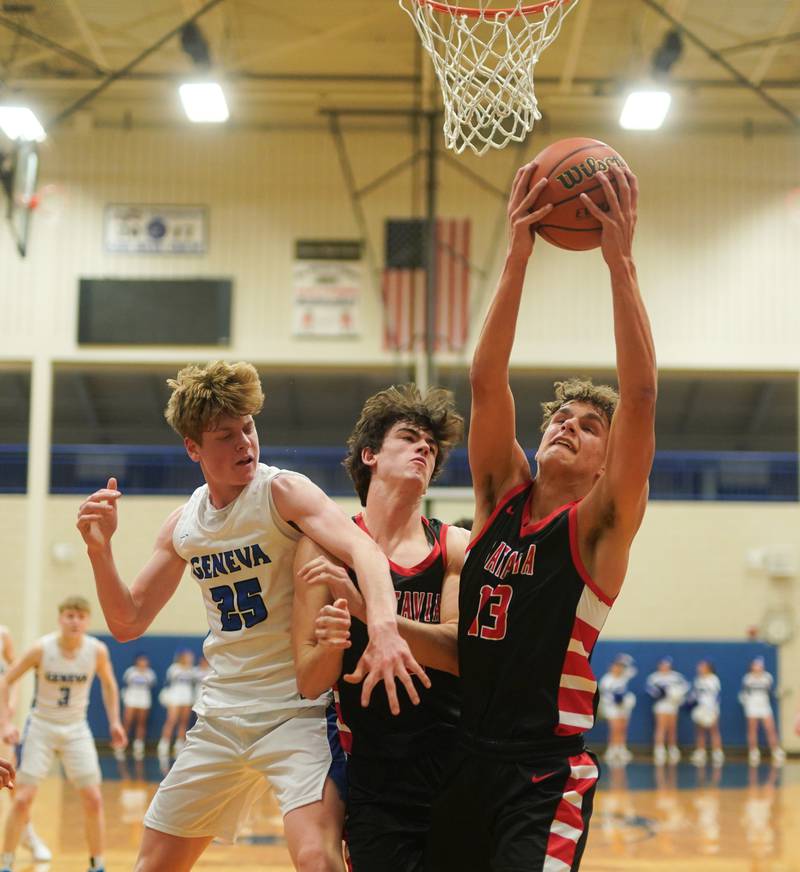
<point x="492" y="626"/>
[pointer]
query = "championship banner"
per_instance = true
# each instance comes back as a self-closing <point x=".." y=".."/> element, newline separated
<point x="328" y="276"/>
<point x="134" y="228"/>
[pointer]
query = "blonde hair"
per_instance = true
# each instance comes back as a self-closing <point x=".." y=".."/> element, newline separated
<point x="435" y="412"/>
<point x="603" y="397"/>
<point x="75" y="604"/>
<point x="203" y="395"/>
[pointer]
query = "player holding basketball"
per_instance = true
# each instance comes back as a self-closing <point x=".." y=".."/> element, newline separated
<point x="65" y="663"/>
<point x="543" y="570"/>
<point x="395" y="765"/>
<point x="238" y="534"/>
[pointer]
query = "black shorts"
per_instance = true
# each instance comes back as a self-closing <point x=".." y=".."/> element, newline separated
<point x="389" y="810"/>
<point x="495" y="815"/>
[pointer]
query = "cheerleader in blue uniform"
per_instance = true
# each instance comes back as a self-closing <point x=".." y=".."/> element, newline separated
<point x="668" y="690"/>
<point x="616" y="705"/>
<point x="705" y="696"/>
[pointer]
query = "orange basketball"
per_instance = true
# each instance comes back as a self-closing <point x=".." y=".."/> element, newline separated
<point x="571" y="166"/>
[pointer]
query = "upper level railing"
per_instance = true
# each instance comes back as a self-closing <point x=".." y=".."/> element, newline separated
<point x="165" y="469"/>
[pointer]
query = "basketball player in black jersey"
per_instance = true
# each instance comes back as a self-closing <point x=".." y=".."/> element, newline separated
<point x="547" y="559"/>
<point x="395" y="763"/>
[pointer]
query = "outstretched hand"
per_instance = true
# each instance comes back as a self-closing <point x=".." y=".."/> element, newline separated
<point x="323" y="570"/>
<point x="332" y="625"/>
<point x="619" y="222"/>
<point x="523" y="214"/>
<point x="388" y="658"/>
<point x="97" y="516"/>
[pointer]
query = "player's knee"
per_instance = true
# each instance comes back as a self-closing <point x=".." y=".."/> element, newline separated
<point x="92" y="800"/>
<point x="23" y="797"/>
<point x="315" y="856"/>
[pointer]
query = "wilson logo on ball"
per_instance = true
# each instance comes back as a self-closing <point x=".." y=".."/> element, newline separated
<point x="586" y="169"/>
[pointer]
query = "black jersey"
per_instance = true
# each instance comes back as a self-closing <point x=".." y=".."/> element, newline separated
<point x="375" y="730"/>
<point x="529" y="616"/>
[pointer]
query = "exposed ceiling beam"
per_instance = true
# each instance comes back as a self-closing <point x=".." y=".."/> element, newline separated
<point x="767" y="56"/>
<point x="86" y="34"/>
<point x="50" y="45"/>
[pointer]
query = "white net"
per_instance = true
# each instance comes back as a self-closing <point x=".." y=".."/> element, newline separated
<point x="484" y="59"/>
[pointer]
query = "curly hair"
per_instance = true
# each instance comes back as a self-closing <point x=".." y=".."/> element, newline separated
<point x="434" y="412"/>
<point x="203" y="395"/>
<point x="603" y="397"/>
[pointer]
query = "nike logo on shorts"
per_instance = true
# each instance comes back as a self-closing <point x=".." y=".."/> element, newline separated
<point x="537" y="778"/>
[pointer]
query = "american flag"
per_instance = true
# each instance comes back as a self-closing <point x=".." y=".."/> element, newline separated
<point x="405" y="312"/>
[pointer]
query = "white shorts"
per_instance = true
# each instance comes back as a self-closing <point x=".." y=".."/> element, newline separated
<point x="666" y="706"/>
<point x="137" y="697"/>
<point x="227" y="762"/>
<point x="73" y="743"/>
<point x="705" y="715"/>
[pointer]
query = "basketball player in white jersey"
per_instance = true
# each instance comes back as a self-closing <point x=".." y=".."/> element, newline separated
<point x="30" y="839"/>
<point x="66" y="663"/>
<point x="238" y="534"/>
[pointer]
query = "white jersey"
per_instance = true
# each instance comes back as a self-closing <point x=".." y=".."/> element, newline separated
<point x="668" y="689"/>
<point x="242" y="557"/>
<point x="707" y="689"/>
<point x="615" y="701"/>
<point x="63" y="683"/>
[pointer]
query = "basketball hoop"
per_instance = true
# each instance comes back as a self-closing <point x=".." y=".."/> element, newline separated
<point x="484" y="59"/>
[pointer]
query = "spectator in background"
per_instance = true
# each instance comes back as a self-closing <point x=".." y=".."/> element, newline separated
<point x="616" y="705"/>
<point x="138" y="680"/>
<point x="177" y="698"/>
<point x="705" y="696"/>
<point x="668" y="689"/>
<point x="755" y="697"/>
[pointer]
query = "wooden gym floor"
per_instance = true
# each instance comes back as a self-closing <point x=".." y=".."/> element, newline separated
<point x="645" y="820"/>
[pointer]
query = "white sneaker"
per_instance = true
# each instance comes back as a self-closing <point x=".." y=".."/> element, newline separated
<point x="612" y="754"/>
<point x="178" y="747"/>
<point x="778" y="756"/>
<point x="138" y="749"/>
<point x="162" y="750"/>
<point x="119" y="755"/>
<point x="674" y="754"/>
<point x="39" y="851"/>
<point x="659" y="755"/>
<point x="717" y="757"/>
<point x="699" y="757"/>
<point x="754" y="756"/>
<point x="625" y="756"/>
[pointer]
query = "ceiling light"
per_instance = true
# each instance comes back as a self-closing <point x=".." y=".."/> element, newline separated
<point x="645" y="110"/>
<point x="204" y="102"/>
<point x="19" y="122"/>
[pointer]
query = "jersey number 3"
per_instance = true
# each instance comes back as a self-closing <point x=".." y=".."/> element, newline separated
<point x="240" y="605"/>
<point x="494" y="625"/>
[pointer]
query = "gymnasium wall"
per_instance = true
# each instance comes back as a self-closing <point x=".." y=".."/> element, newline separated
<point x="717" y="243"/>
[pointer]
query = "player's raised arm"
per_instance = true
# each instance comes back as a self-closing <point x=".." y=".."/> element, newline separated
<point x="612" y="512"/>
<point x="388" y="657"/>
<point x="496" y="460"/>
<point x="128" y="611"/>
<point x="110" y="691"/>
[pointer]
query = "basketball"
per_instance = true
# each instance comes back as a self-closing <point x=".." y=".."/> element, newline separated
<point x="570" y="165"/>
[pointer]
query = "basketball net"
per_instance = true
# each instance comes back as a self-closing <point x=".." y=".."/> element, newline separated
<point x="484" y="59"/>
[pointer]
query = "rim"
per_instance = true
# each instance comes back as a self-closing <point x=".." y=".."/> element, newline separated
<point x="472" y="12"/>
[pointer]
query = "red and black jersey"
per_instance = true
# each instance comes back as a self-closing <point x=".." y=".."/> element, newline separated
<point x="529" y="617"/>
<point x="375" y="730"/>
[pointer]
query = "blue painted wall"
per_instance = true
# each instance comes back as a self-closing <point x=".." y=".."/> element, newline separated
<point x="731" y="660"/>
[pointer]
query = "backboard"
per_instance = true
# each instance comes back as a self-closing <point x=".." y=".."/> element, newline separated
<point x="19" y="173"/>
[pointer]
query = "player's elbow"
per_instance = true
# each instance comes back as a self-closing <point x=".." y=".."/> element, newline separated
<point x="310" y="687"/>
<point x="125" y="633"/>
